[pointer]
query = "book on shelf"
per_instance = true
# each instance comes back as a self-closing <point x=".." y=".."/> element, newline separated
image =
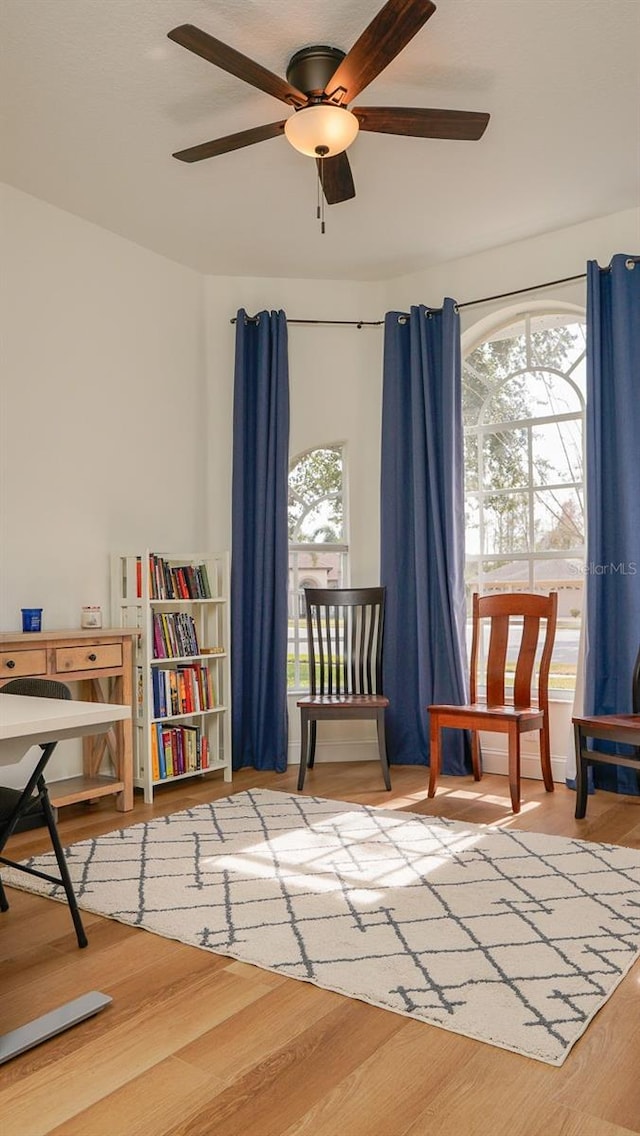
<point x="162" y="766"/>
<point x="158" y="690"/>
<point x="155" y="764"/>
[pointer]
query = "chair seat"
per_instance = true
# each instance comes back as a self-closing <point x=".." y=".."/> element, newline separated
<point x="501" y="713"/>
<point x="361" y="701"/>
<point x="621" y="723"/>
<point x="9" y="799"/>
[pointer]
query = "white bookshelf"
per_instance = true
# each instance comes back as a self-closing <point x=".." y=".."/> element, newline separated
<point x="182" y="680"/>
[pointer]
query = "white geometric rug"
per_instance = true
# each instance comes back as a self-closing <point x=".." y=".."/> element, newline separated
<point x="512" y="938"/>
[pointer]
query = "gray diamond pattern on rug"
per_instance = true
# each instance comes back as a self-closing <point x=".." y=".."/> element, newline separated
<point x="509" y="937"/>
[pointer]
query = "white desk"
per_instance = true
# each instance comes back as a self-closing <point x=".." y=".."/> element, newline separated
<point x="24" y="722"/>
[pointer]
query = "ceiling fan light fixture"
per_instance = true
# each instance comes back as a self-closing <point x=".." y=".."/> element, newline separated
<point x="321" y="129"/>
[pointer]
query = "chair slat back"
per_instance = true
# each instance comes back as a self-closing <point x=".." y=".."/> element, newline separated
<point x="526" y="610"/>
<point x="344" y="632"/>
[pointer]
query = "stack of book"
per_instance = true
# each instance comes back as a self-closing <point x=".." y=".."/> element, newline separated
<point x="174" y="635"/>
<point x="177" y="582"/>
<point x="185" y="690"/>
<point x="176" y="750"/>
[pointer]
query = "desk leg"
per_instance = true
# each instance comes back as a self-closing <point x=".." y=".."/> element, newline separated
<point x="582" y="775"/>
<point x="119" y="739"/>
<point x="124" y="732"/>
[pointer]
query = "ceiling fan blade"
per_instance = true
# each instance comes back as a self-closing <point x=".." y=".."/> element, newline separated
<point x="420" y="122"/>
<point x="213" y="50"/>
<point x="337" y="179"/>
<point x="380" y="42"/>
<point x="230" y="142"/>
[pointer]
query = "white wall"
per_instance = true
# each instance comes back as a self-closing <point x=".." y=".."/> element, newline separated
<point x="103" y="379"/>
<point x="101" y="436"/>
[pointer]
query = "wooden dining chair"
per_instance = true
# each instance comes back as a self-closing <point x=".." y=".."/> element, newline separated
<point x="345" y="630"/>
<point x="623" y="729"/>
<point x="30" y="807"/>
<point x="502" y="614"/>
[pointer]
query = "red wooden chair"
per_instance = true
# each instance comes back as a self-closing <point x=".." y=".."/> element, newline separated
<point x="495" y="714"/>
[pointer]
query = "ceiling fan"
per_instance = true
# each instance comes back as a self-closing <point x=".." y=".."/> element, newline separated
<point x="321" y="81"/>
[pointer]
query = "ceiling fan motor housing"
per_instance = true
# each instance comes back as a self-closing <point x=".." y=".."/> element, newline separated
<point x="311" y="68"/>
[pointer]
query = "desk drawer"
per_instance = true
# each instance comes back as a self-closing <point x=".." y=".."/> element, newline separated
<point x="93" y="657"/>
<point x="16" y="663"/>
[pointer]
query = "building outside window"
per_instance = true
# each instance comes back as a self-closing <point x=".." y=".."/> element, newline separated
<point x="318" y="548"/>
<point x="523" y="410"/>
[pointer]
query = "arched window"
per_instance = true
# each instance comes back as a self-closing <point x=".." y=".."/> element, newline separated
<point x="523" y="408"/>
<point x="318" y="546"/>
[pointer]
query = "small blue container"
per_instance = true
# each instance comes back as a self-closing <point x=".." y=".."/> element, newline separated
<point x="31" y="618"/>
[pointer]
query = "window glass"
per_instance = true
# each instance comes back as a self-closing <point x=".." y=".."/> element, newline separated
<point x="523" y="412"/>
<point x="318" y="549"/>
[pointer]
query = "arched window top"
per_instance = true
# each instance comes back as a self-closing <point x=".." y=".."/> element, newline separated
<point x="528" y="368"/>
<point x="316" y="496"/>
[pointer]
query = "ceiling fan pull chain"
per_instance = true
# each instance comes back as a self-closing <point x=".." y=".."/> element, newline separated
<point x="321" y="151"/>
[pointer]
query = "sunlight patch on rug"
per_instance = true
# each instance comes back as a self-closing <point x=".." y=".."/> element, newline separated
<point x="512" y="938"/>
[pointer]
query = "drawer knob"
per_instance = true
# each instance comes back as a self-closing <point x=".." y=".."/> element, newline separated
<point x="92" y="657"/>
<point x="10" y="664"/>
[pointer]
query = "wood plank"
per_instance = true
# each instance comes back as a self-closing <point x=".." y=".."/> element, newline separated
<point x="278" y="1090"/>
<point x="167" y="1094"/>
<point x="387" y="1092"/>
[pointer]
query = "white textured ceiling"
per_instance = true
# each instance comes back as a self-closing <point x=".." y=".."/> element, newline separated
<point x="95" y="99"/>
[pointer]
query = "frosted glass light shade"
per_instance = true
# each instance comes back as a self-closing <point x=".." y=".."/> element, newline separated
<point x="331" y="126"/>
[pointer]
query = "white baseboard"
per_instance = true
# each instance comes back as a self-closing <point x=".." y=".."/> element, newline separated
<point x="338" y="750"/>
<point x="493" y="760"/>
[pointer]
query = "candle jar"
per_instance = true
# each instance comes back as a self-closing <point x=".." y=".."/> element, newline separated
<point x="91" y="616"/>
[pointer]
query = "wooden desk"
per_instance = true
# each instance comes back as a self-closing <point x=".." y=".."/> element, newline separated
<point x="27" y="721"/>
<point x="623" y="728"/>
<point x="90" y="658"/>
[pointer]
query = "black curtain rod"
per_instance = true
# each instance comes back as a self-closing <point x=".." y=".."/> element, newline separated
<point x="323" y="323"/>
<point x="519" y="291"/>
<point x="467" y="304"/>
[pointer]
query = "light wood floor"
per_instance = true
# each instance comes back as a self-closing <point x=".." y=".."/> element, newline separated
<point x="199" y="1045"/>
